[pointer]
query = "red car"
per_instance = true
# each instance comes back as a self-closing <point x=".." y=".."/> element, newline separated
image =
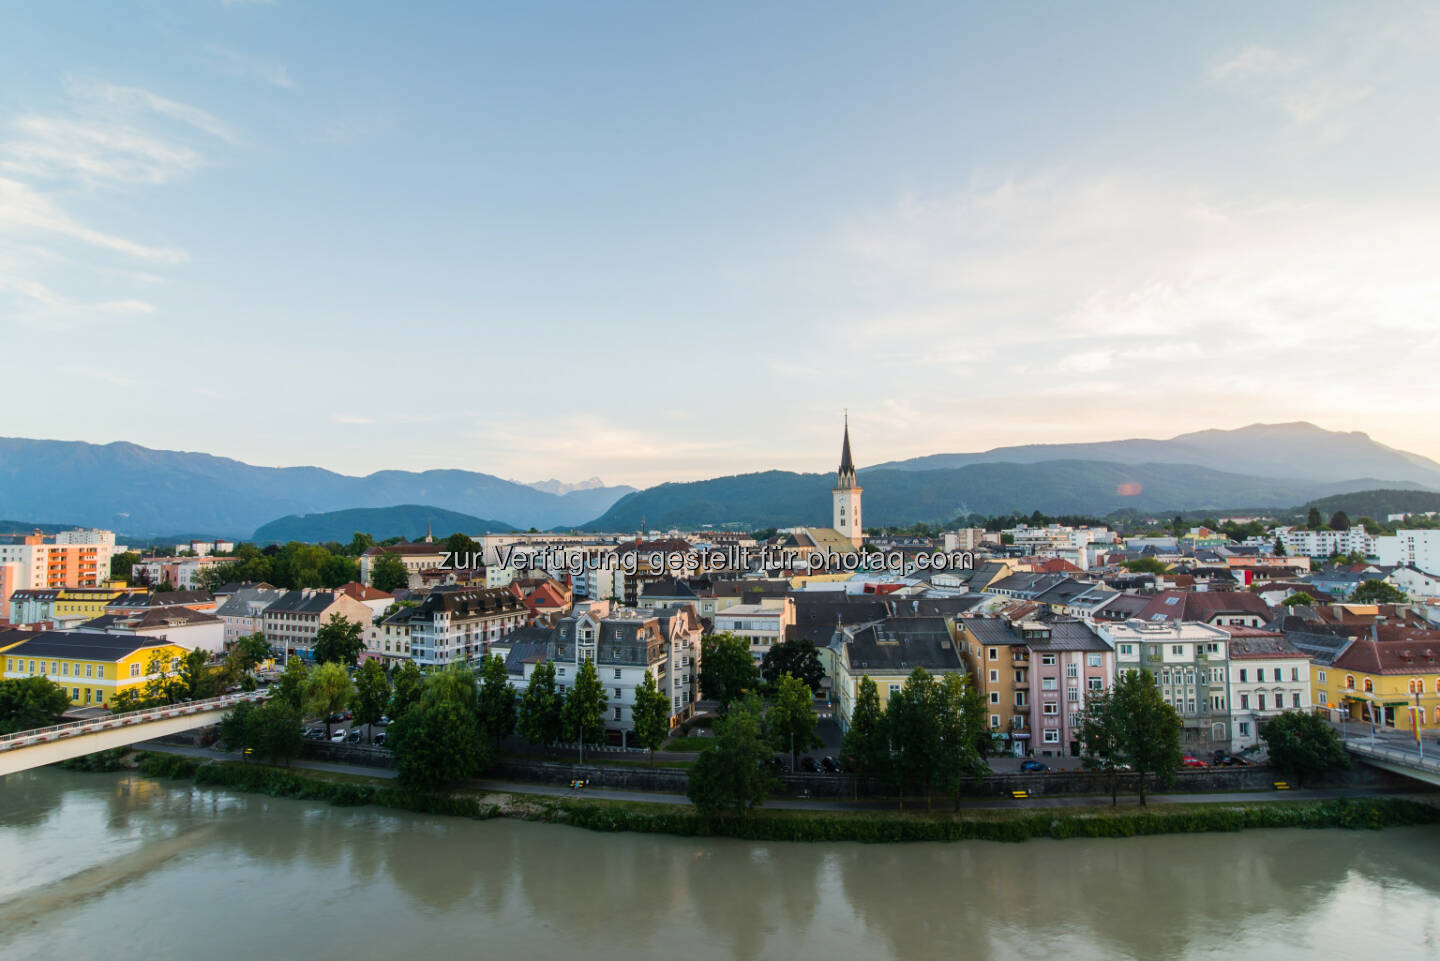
<point x="1189" y="761"/>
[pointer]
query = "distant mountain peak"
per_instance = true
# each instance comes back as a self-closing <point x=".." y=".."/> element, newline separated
<point x="553" y="486"/>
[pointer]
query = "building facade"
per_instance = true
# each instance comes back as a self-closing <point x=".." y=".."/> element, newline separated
<point x="1191" y="666"/>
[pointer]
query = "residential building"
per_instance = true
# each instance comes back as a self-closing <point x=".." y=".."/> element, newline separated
<point x="1191" y="666"/>
<point x="77" y="604"/>
<point x="378" y="601"/>
<point x="388" y="639"/>
<point x="1326" y="543"/>
<point x="761" y="625"/>
<point x="1418" y="548"/>
<point x="292" y="620"/>
<point x="1069" y="664"/>
<point x="965" y="539"/>
<point x="998" y="659"/>
<point x="182" y="573"/>
<point x="42" y="564"/>
<point x="1386" y="678"/>
<point x="1268" y="675"/>
<point x="417" y="558"/>
<point x="1208" y="607"/>
<point x="459" y="624"/>
<point x="135" y="602"/>
<point x="243" y="612"/>
<point x="181" y="626"/>
<point x="33" y="605"/>
<point x="888" y="652"/>
<point x="1417" y="584"/>
<point x="92" y="668"/>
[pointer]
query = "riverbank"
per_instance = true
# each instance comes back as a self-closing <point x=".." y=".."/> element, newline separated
<point x="787" y="825"/>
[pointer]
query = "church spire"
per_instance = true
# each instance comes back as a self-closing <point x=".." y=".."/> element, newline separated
<point x="845" y="477"/>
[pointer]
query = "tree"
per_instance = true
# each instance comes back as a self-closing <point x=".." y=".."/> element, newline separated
<point x="246" y="653"/>
<point x="327" y="691"/>
<point x="1377" y="592"/>
<point x="1312" y="519"/>
<point x="651" y="716"/>
<point x="1301" y="744"/>
<point x="200" y="680"/>
<point x="1102" y="735"/>
<point x="1339" y="521"/>
<point x="1145" y="565"/>
<point x="731" y="776"/>
<point x="122" y="564"/>
<point x="866" y="748"/>
<point x="541" y="707"/>
<point x="497" y="699"/>
<point x="1149" y="728"/>
<point x="30" y="702"/>
<point x="291" y="687"/>
<point x="388" y="573"/>
<point x="1279" y="549"/>
<point x="359" y="544"/>
<point x="455" y="684"/>
<point x="235" y="726"/>
<point x="338" y="640"/>
<point x="914" y="734"/>
<point x="372" y="692"/>
<point x="727" y="671"/>
<point x="960" y="718"/>
<point x="585" y="707"/>
<point x="462" y="546"/>
<point x="798" y="658"/>
<point x="273" y="730"/>
<point x="1298" y="599"/>
<point x="791" y="720"/>
<point x="408" y="684"/>
<point x="437" y="741"/>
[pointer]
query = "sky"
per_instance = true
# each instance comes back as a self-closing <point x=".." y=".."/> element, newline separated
<point x="661" y="241"/>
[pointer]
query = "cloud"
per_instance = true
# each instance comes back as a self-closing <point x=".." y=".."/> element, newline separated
<point x="241" y="66"/>
<point x="350" y="419"/>
<point x="1254" y="61"/>
<point x="22" y="208"/>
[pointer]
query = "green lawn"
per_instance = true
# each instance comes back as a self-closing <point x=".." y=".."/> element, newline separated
<point x="688" y="744"/>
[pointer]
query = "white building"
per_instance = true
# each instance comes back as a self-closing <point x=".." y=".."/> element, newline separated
<point x="761" y="625"/>
<point x="1081" y="546"/>
<point x="967" y="539"/>
<point x="244" y="611"/>
<point x="1416" y="584"/>
<point x="1326" y="543"/>
<point x="1418" y="548"/>
<point x="1268" y="675"/>
<point x="453" y="625"/>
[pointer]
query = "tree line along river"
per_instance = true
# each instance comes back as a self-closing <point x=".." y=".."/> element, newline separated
<point x="124" y="867"/>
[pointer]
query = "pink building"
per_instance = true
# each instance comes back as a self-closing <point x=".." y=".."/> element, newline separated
<point x="1069" y="663"/>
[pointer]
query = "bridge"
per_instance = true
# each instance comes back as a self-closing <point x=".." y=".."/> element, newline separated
<point x="59" y="742"/>
<point x="1397" y="759"/>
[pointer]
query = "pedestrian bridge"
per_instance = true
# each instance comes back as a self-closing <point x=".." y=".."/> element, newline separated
<point x="59" y="742"/>
<point x="1398" y="760"/>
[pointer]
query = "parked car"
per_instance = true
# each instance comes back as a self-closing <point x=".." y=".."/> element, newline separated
<point x="830" y="765"/>
<point x="335" y="718"/>
<point x="383" y="721"/>
<point x="380" y="739"/>
<point x="315" y="733"/>
<point x="1033" y="767"/>
<point x="807" y="763"/>
<point x="1189" y="761"/>
<point x="1223" y="759"/>
<point x="338" y="737"/>
<point x="354" y="738"/>
<point x="774" y="764"/>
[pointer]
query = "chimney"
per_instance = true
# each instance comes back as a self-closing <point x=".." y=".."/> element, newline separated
<point x="1374" y="632"/>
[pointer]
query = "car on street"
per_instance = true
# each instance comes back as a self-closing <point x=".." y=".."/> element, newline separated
<point x="1191" y="761"/>
<point x="338" y="737"/>
<point x="380" y="739"/>
<point x="830" y="765"/>
<point x="807" y="763"/>
<point x="383" y="721"/>
<point x="354" y="738"/>
<point x="315" y="733"/>
<point x="1033" y="767"/>
<point x="1223" y="759"/>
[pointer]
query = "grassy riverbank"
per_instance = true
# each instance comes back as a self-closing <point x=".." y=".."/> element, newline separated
<point x="869" y="826"/>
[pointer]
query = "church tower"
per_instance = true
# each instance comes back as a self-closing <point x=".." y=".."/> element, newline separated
<point x="846" y="495"/>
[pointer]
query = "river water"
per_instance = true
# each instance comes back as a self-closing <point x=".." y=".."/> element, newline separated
<point x="117" y="866"/>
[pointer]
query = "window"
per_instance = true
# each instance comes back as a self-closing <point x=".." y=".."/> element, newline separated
<point x="1369" y="686"/>
<point x="994" y="654"/>
<point x="1177" y="649"/>
<point x="1127" y="649"/>
<point x="65" y="669"/>
<point x="559" y="672"/>
<point x="1092" y="660"/>
<point x="1072" y="670"/>
<point x="89" y="670"/>
<point x="994" y="720"/>
<point x="1072" y="695"/>
<point x="617" y="713"/>
<point x="100" y="671"/>
<point x="1260" y="701"/>
<point x="1243" y="677"/>
<point x="1052" y="737"/>
<point x="894" y="689"/>
<point x="617" y="692"/>
<point x="1295" y="699"/>
<point x="1047" y="658"/>
<point x="1324" y="699"/>
<point x="617" y="673"/>
<point x="1096" y="684"/>
<point x="1244" y="728"/>
<point x="1244" y="702"/>
<point x="994" y="677"/>
<point x="1321" y="675"/>
<point x="1051" y="708"/>
<point x="1294" y="673"/>
<point x="1049" y="683"/>
<point x="1350" y="682"/>
<point x="1019" y="698"/>
<point x="994" y="697"/>
<point x="74" y="693"/>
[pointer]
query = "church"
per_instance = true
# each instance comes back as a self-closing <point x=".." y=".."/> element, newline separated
<point x="847" y="532"/>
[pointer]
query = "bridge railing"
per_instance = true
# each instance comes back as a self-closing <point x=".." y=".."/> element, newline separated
<point x="125" y="719"/>
<point x="1411" y="758"/>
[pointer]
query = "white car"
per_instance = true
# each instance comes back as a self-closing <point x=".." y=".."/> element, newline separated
<point x="338" y="737"/>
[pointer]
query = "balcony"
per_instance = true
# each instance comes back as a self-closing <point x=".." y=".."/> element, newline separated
<point x="1021" y="685"/>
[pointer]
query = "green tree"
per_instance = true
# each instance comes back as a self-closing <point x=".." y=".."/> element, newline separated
<point x="327" y="691"/>
<point x="964" y="738"/>
<point x="30" y="702"/>
<point x="461" y="546"/>
<point x="651" y="716"/>
<point x="791" y="719"/>
<point x="731" y="776"/>
<point x="1303" y="745"/>
<point x="796" y="657"/>
<point x="1145" y="565"/>
<point x="372" y="693"/>
<point x="915" y="734"/>
<point x="497" y="699"/>
<point x="291" y="686"/>
<point x="1102" y="735"/>
<point x="1279" y="549"/>
<point x="541" y="711"/>
<point x="1150" y="728"/>
<point x="1313" y="521"/>
<point x="246" y="653"/>
<point x="235" y="726"/>
<point x="585" y="703"/>
<point x="121" y="565"/>
<point x="727" y="670"/>
<point x="455" y="684"/>
<point x="200" y="679"/>
<point x="1298" y="599"/>
<point x="388" y="573"/>
<point x="359" y="544"/>
<point x="273" y="730"/>
<point x="1377" y="592"/>
<point x="338" y="640"/>
<point x="866" y="748"/>
<point x="1339" y="521"/>
<point x="437" y="742"/>
<point x="408" y="685"/>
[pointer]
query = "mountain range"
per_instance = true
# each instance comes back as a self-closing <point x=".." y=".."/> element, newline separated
<point x="410" y="521"/>
<point x="139" y="491"/>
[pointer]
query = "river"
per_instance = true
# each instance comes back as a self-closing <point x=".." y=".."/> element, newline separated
<point x="120" y="867"/>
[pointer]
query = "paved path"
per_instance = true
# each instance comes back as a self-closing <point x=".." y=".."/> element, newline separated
<point x="827" y="804"/>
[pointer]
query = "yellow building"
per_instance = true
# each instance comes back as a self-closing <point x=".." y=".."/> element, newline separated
<point x="1395" y="681"/>
<point x="997" y="655"/>
<point x="92" y="668"/>
<point x="76" y="604"/>
<point x="887" y="653"/>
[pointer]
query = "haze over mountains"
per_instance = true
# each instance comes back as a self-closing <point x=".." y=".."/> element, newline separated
<point x="140" y="491"/>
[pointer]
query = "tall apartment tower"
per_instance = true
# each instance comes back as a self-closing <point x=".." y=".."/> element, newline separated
<point x="846" y="495"/>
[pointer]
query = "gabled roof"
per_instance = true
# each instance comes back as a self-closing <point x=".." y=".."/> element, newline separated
<point x="1203" y="605"/>
<point x="83" y="645"/>
<point x="898" y="645"/>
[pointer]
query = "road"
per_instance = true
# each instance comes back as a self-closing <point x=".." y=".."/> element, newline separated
<point x="823" y="804"/>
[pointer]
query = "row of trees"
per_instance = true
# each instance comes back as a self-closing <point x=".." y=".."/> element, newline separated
<point x="728" y="671"/>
